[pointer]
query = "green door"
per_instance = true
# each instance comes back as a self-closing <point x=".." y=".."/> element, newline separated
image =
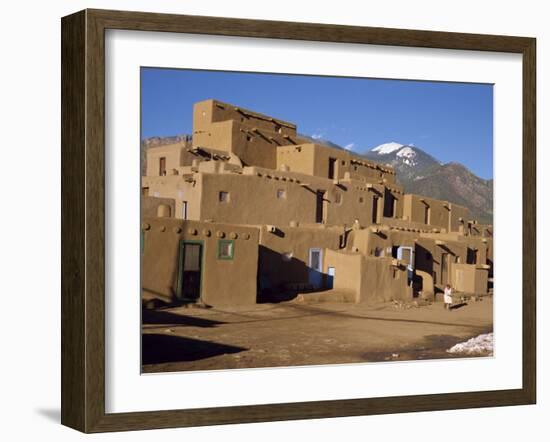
<point x="190" y="270"/>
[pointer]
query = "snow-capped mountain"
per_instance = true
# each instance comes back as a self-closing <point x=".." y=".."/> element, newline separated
<point x="409" y="161"/>
<point x="422" y="174"/>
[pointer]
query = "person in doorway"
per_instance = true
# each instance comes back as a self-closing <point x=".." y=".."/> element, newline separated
<point x="448" y="297"/>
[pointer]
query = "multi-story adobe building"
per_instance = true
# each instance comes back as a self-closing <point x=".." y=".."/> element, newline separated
<point x="246" y="210"/>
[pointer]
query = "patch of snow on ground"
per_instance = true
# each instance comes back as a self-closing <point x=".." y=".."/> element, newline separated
<point x="387" y="148"/>
<point x="480" y="345"/>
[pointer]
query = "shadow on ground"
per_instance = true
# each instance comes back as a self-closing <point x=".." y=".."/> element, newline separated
<point x="159" y="349"/>
<point x="166" y="318"/>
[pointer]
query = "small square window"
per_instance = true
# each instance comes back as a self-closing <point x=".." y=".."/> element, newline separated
<point x="361" y="200"/>
<point x="281" y="193"/>
<point x="226" y="249"/>
<point x="343" y="162"/>
<point x="223" y="197"/>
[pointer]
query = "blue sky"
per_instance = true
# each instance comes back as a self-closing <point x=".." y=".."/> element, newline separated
<point x="451" y="121"/>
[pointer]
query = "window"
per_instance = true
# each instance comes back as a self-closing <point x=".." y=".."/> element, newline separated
<point x="394" y="250"/>
<point x="427" y="214"/>
<point x="361" y="200"/>
<point x="226" y="249"/>
<point x="320" y="207"/>
<point x="162" y="166"/>
<point x="389" y="204"/>
<point x="471" y="256"/>
<point x="184" y="210"/>
<point x="223" y="197"/>
<point x="281" y="193"/>
<point x="343" y="162"/>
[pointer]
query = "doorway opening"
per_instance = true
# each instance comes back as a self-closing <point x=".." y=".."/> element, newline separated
<point x="331" y="168"/>
<point x="320" y="207"/>
<point x="190" y="270"/>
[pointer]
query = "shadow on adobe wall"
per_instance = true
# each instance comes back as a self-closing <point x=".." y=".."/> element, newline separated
<point x="282" y="278"/>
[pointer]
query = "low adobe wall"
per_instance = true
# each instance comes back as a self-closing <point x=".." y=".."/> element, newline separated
<point x="373" y="279"/>
<point x="469" y="278"/>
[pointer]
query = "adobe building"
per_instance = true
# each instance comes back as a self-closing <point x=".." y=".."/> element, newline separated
<point x="248" y="211"/>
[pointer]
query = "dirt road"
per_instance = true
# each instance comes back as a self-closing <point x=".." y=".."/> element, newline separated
<point x="290" y="334"/>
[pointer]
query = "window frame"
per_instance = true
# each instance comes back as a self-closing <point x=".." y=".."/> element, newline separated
<point x="222" y="242"/>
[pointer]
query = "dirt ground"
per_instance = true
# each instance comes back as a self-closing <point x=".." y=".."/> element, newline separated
<point x="291" y="334"/>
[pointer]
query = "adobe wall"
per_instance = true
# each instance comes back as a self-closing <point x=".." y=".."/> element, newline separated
<point x="348" y="270"/>
<point x="313" y="159"/>
<point x="213" y="111"/>
<point x="150" y="206"/>
<point x="459" y="217"/>
<point x="429" y="249"/>
<point x="299" y="159"/>
<point x="253" y="137"/>
<point x="378" y="241"/>
<point x="178" y="188"/>
<point x="469" y="279"/>
<point x="382" y="281"/>
<point x="342" y="204"/>
<point x="371" y="279"/>
<point x="176" y="155"/>
<point x="439" y="215"/>
<point x="224" y="282"/>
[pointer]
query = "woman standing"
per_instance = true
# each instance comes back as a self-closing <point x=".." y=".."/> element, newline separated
<point x="447" y="297"/>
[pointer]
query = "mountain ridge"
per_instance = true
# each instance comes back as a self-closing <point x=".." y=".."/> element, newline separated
<point x="421" y="173"/>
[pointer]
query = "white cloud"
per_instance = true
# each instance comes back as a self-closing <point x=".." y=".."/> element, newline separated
<point x="317" y="136"/>
<point x="349" y="146"/>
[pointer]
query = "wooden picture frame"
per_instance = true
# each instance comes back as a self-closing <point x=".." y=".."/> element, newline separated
<point x="83" y="220"/>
